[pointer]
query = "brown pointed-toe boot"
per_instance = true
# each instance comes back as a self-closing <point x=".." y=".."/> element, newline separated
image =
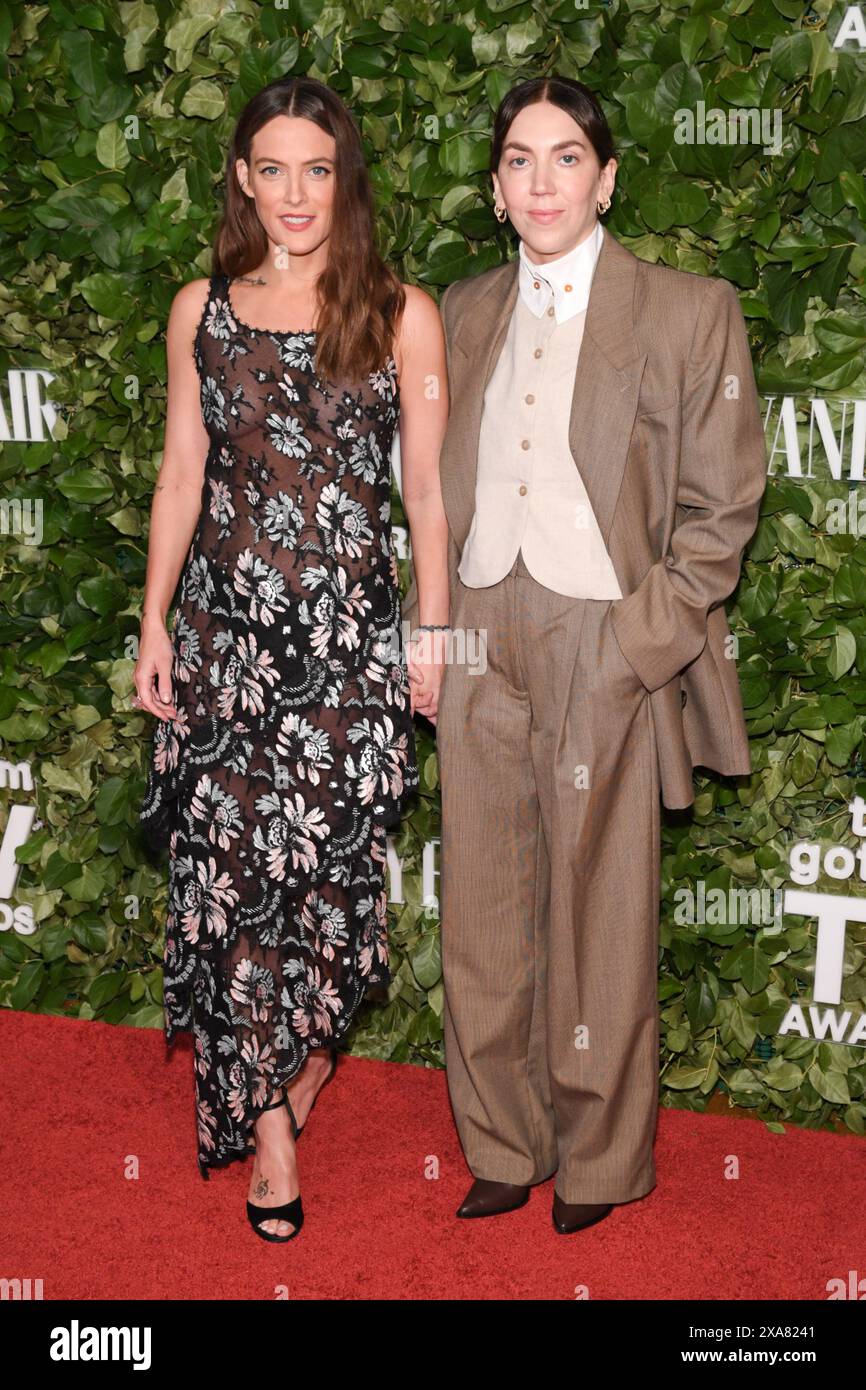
<point x="487" y="1198"/>
<point x="575" y="1216"/>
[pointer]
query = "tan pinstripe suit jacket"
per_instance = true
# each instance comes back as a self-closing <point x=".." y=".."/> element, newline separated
<point x="666" y="432"/>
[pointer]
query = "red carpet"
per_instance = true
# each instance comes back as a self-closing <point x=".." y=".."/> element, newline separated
<point x="80" y="1098"/>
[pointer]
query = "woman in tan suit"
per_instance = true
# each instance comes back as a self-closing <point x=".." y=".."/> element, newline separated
<point x="601" y="474"/>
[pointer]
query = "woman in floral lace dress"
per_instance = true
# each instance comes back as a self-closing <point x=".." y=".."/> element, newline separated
<point x="285" y="744"/>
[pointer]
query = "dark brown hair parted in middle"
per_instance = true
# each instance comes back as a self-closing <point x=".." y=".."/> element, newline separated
<point x="573" y="97"/>
<point x="360" y="298"/>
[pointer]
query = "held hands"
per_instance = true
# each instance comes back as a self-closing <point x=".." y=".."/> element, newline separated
<point x="153" y="672"/>
<point x="426" y="662"/>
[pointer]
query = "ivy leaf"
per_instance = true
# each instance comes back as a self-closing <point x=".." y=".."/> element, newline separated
<point x="843" y="651"/>
<point x="112" y="149"/>
<point x="830" y="1085"/>
<point x="794" y="536"/>
<point x="427" y="960"/>
<point x="841" y="742"/>
<point x="754" y="967"/>
<point x="804" y="765"/>
<point x="27" y="985"/>
<point x="106" y="987"/>
<point x="700" y="1004"/>
<point x="112" y="801"/>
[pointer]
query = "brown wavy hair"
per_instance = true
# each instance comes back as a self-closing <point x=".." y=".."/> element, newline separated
<point x="360" y="299"/>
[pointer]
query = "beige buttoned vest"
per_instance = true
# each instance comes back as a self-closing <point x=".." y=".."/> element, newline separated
<point x="529" y="494"/>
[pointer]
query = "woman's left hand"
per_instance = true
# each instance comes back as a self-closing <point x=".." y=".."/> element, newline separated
<point x="426" y="663"/>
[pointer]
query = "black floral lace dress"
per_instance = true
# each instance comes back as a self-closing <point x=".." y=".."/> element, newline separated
<point x="293" y="747"/>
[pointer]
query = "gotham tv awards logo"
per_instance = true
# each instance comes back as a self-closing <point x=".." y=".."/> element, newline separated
<point x="833" y="912"/>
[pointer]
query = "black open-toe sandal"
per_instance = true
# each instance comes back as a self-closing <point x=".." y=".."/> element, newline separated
<point x="320" y="1090"/>
<point x="290" y="1211"/>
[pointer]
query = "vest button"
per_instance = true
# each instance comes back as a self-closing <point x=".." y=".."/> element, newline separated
<point x="530" y="399"/>
<point x="523" y="489"/>
<point x="524" y="443"/>
<point x="550" y="312"/>
<point x="537" y="352"/>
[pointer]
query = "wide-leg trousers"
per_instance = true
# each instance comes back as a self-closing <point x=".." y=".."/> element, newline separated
<point x="549" y="894"/>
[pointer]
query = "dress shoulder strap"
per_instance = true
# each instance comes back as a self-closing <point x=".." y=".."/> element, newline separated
<point x="218" y="284"/>
<point x="221" y="288"/>
<point x="215" y="290"/>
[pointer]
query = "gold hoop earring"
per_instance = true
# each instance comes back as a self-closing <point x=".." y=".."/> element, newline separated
<point x="603" y="207"/>
<point x="499" y="213"/>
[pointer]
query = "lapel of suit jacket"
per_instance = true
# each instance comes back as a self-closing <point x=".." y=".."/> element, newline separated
<point x="606" y="385"/>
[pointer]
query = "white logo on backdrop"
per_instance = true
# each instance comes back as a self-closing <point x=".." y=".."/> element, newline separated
<point x="29" y="419"/>
<point x="15" y="777"/>
<point x="833" y="912"/>
<point x="852" y="29"/>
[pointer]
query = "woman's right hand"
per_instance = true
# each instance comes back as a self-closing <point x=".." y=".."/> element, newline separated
<point x="153" y="672"/>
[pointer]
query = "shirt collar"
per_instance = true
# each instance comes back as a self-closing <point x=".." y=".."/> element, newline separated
<point x="537" y="284"/>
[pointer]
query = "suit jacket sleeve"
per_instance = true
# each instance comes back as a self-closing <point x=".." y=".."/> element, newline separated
<point x="662" y="625"/>
<point x="409" y="607"/>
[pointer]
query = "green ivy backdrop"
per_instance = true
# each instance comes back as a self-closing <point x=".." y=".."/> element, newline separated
<point x="116" y="118"/>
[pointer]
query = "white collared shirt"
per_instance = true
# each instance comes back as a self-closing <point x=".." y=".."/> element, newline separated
<point x="565" y="282"/>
